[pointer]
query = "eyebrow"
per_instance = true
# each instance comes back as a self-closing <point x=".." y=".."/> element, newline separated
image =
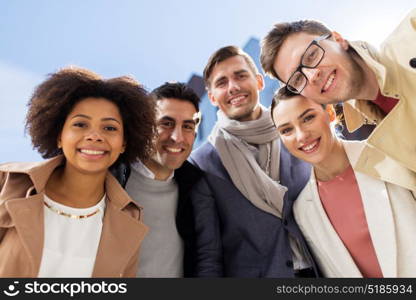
<point x="300" y="116"/>
<point x="168" y="118"/>
<point x="102" y="119"/>
<point x="238" y="72"/>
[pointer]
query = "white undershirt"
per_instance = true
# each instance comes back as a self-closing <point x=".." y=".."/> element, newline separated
<point x="70" y="245"/>
<point x="146" y="172"/>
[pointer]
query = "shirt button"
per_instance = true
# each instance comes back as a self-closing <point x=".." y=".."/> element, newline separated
<point x="412" y="62"/>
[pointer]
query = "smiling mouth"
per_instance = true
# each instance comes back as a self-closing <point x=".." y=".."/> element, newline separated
<point x="329" y="82"/>
<point x="237" y="100"/>
<point x="174" y="150"/>
<point x="92" y="154"/>
<point x="311" y="147"/>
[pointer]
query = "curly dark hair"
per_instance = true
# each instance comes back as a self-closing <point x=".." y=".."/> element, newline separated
<point x="55" y="98"/>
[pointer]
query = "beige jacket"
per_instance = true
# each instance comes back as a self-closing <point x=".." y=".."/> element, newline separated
<point x="390" y="211"/>
<point x="21" y="223"/>
<point x="395" y="135"/>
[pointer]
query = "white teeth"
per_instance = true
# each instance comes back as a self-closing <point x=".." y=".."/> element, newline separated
<point x="309" y="147"/>
<point x="175" y="150"/>
<point x="236" y="100"/>
<point x="329" y="82"/>
<point x="92" y="152"/>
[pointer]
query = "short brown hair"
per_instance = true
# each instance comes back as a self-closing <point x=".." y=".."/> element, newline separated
<point x="271" y="43"/>
<point x="222" y="54"/>
<point x="55" y="98"/>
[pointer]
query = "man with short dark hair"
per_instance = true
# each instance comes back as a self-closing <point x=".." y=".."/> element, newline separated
<point x="377" y="87"/>
<point x="161" y="185"/>
<point x="243" y="203"/>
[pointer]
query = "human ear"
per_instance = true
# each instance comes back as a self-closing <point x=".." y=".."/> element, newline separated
<point x="260" y="82"/>
<point x="212" y="99"/>
<point x="340" y="40"/>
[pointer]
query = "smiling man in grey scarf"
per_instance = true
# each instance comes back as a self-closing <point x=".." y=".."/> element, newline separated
<point x="243" y="205"/>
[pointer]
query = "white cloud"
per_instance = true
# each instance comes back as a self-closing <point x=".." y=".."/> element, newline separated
<point x="16" y="87"/>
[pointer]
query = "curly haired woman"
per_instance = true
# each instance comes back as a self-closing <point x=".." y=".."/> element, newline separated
<point x="67" y="216"/>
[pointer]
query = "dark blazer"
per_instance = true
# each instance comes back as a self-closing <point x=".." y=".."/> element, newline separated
<point x="235" y="238"/>
<point x="185" y="176"/>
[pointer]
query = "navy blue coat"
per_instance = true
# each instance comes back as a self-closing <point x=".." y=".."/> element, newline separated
<point x="233" y="237"/>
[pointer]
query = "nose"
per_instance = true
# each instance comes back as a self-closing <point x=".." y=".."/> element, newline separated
<point x="177" y="134"/>
<point x="233" y="87"/>
<point x="302" y="136"/>
<point x="312" y="74"/>
<point x="94" y="136"/>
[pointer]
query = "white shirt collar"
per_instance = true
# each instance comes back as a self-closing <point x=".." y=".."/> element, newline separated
<point x="146" y="172"/>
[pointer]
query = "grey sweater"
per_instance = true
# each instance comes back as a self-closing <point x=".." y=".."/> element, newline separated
<point x="161" y="253"/>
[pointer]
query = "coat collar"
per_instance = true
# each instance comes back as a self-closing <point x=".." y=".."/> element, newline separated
<point x="370" y="161"/>
<point x="356" y="111"/>
<point x="38" y="172"/>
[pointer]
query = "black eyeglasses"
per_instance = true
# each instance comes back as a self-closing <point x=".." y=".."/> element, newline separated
<point x="310" y="59"/>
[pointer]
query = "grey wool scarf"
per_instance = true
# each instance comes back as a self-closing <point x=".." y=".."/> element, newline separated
<point x="250" y="152"/>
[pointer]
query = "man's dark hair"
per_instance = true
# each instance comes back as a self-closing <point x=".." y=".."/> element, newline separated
<point x="54" y="99"/>
<point x="271" y="43"/>
<point x="222" y="54"/>
<point x="177" y="90"/>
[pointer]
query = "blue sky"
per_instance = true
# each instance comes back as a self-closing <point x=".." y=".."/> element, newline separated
<point x="154" y="41"/>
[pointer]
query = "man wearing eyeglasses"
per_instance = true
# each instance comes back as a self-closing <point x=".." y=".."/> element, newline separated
<point x="376" y="87"/>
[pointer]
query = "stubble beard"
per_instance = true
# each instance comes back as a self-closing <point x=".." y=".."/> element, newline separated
<point x="357" y="76"/>
<point x="246" y="115"/>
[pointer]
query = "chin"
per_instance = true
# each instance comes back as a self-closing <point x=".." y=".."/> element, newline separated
<point x="173" y="165"/>
<point x="90" y="171"/>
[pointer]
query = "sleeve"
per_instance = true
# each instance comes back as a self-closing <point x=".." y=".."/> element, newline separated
<point x="209" y="260"/>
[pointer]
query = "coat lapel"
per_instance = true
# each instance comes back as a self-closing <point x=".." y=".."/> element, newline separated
<point x="122" y="232"/>
<point x="120" y="240"/>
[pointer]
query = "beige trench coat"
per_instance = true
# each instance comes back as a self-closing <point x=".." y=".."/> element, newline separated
<point x="395" y="135"/>
<point x="22" y="221"/>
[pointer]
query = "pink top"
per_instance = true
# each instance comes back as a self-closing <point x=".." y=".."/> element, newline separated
<point x="342" y="202"/>
<point x="385" y="103"/>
